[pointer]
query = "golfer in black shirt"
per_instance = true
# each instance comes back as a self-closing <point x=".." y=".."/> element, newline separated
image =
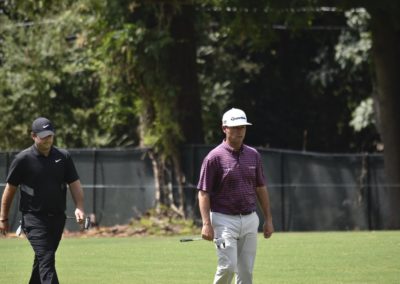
<point x="42" y="173"/>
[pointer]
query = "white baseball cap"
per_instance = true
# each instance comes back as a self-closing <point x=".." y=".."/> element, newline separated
<point x="234" y="117"/>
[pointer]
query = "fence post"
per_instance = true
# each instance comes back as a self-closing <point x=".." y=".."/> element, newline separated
<point x="369" y="192"/>
<point x="282" y="186"/>
<point x="7" y="162"/>
<point x="94" y="181"/>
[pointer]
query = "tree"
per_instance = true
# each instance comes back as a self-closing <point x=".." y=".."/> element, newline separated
<point x="150" y="57"/>
<point x="385" y="27"/>
<point x="134" y="62"/>
<point x="278" y="63"/>
<point x="44" y="73"/>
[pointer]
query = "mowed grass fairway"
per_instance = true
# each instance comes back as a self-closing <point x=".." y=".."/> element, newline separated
<point x="327" y="257"/>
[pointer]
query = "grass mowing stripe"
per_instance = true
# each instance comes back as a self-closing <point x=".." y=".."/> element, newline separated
<point x="320" y="257"/>
<point x="334" y="257"/>
<point x="141" y="260"/>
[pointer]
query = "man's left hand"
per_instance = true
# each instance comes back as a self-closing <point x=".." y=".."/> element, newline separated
<point x="268" y="229"/>
<point x="79" y="215"/>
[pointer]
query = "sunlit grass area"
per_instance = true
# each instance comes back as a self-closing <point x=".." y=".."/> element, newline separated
<point x="314" y="257"/>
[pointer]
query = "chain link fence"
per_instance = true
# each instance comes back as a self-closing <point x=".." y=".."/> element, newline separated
<point x="308" y="191"/>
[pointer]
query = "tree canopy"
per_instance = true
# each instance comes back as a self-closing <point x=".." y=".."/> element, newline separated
<point x="108" y="69"/>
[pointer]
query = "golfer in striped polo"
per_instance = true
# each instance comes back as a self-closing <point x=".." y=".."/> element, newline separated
<point x="231" y="181"/>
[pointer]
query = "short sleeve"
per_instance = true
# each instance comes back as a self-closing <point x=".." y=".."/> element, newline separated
<point x="15" y="172"/>
<point x="208" y="174"/>
<point x="71" y="174"/>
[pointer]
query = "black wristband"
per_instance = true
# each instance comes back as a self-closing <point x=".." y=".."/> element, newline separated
<point x="4" y="220"/>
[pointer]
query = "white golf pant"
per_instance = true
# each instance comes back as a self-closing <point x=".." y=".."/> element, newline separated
<point x="239" y="233"/>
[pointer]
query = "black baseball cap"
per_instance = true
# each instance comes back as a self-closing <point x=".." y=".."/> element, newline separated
<point x="42" y="127"/>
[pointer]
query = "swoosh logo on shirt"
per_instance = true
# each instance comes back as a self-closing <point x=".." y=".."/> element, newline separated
<point x="57" y="160"/>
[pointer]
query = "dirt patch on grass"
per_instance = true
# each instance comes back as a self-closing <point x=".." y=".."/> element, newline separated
<point x="165" y="222"/>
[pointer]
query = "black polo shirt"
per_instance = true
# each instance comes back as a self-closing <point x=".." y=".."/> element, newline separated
<point x="42" y="180"/>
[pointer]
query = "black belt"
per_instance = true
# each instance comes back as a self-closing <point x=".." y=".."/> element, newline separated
<point x="41" y="213"/>
<point x="245" y="213"/>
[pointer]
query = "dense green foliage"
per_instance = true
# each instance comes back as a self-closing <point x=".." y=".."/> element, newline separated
<point x="88" y="69"/>
<point x="102" y="72"/>
<point x="297" y="82"/>
<point x="45" y="73"/>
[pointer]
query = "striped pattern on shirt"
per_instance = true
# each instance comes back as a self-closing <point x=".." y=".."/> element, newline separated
<point x="231" y="177"/>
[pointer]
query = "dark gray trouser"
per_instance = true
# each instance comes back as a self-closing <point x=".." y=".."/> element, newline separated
<point x="44" y="234"/>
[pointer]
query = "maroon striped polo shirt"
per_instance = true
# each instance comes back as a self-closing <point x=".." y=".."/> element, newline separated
<point x="231" y="177"/>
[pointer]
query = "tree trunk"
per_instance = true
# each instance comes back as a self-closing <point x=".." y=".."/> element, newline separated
<point x="386" y="58"/>
<point x="183" y="73"/>
<point x="158" y="180"/>
<point x="179" y="180"/>
<point x="146" y="118"/>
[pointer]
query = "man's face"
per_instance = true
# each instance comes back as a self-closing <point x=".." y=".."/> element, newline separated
<point x="43" y="144"/>
<point x="235" y="135"/>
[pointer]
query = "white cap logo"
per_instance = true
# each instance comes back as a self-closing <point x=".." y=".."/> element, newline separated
<point x="234" y="117"/>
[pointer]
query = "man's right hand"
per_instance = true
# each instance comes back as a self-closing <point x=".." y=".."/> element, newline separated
<point x="4" y="227"/>
<point x="207" y="232"/>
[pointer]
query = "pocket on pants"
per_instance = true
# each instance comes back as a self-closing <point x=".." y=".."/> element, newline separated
<point x="33" y="226"/>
